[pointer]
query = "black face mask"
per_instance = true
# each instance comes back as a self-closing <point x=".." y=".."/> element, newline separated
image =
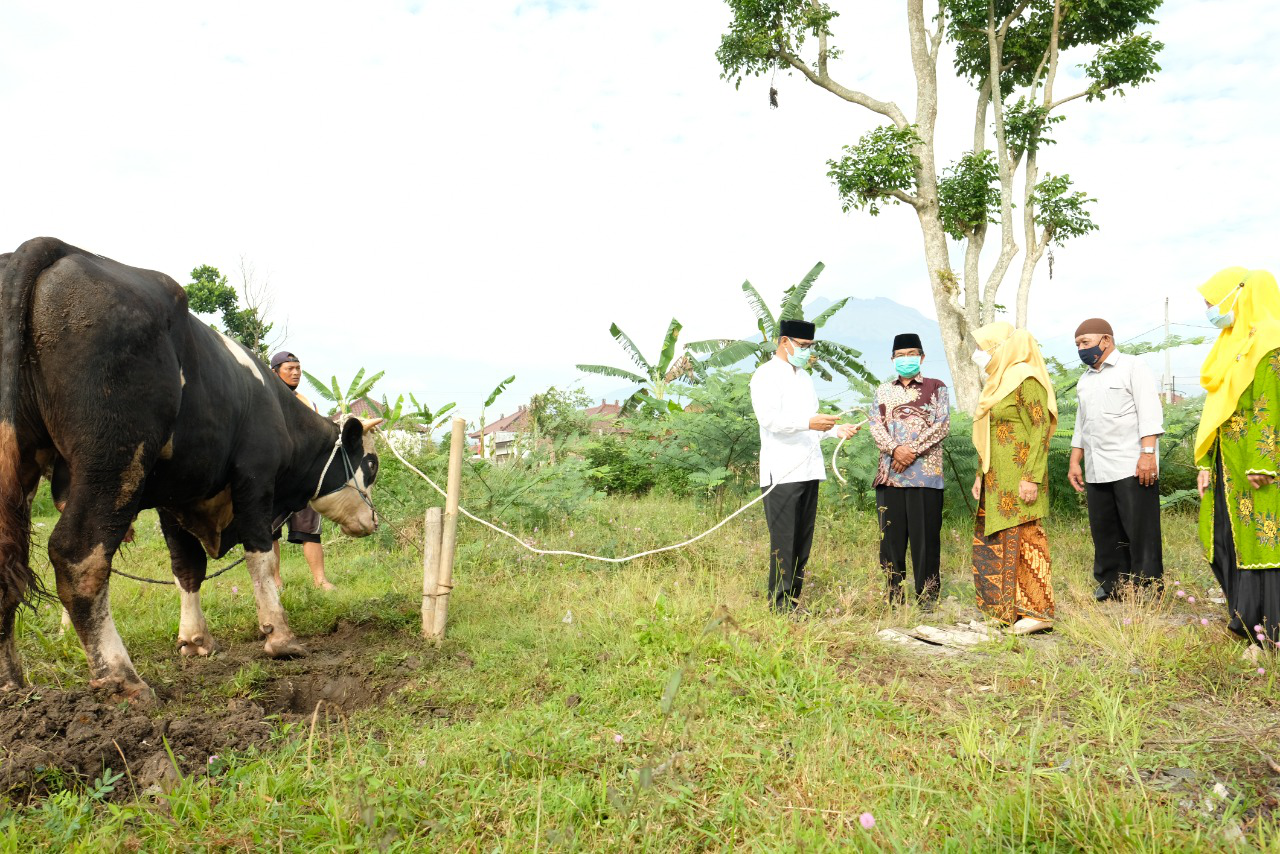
<point x="1091" y="355"/>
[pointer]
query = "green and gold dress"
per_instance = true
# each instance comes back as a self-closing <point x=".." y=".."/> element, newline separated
<point x="1011" y="566"/>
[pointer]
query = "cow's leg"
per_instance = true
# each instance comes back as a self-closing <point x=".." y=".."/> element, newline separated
<point x="281" y="642"/>
<point x="189" y="562"/>
<point x="17" y="582"/>
<point x="81" y="548"/>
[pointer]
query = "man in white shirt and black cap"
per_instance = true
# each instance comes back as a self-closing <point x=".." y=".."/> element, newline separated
<point x="1118" y="426"/>
<point x="791" y="461"/>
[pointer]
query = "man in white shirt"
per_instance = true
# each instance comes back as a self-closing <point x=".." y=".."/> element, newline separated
<point x="1118" y="426"/>
<point x="791" y="461"/>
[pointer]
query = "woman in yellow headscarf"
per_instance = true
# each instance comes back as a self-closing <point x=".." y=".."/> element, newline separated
<point x="1238" y="449"/>
<point x="1016" y="415"/>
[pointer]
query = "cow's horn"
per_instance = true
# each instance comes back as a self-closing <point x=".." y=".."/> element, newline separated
<point x="370" y="423"/>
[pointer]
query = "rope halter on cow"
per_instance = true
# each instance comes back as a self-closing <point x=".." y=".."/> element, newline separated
<point x="350" y="471"/>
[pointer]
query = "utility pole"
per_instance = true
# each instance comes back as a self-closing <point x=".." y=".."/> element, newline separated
<point x="1168" y="361"/>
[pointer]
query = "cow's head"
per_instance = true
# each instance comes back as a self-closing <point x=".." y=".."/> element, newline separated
<point x="344" y="493"/>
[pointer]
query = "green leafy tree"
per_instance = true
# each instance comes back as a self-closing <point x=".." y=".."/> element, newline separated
<point x="654" y="378"/>
<point x="210" y="293"/>
<point x="557" y="417"/>
<point x="1010" y="51"/>
<point x="829" y="357"/>
<point x="357" y="389"/>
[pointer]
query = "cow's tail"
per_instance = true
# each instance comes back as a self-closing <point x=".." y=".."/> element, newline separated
<point x="18" y="583"/>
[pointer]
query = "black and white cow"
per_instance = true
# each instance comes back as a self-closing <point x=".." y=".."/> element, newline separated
<point x="103" y="370"/>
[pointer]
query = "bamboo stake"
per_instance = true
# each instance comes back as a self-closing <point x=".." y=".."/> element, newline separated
<point x="431" y="568"/>
<point x="449" y="533"/>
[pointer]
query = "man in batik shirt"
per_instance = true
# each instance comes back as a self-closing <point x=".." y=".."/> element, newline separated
<point x="910" y="417"/>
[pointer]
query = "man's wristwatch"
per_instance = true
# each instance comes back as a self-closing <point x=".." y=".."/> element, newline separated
<point x="1148" y="450"/>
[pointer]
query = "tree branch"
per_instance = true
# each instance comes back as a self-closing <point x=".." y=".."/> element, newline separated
<point x="1061" y="101"/>
<point x="1013" y="16"/>
<point x="907" y="198"/>
<point x="822" y="45"/>
<point x="936" y="39"/>
<point x="885" y="108"/>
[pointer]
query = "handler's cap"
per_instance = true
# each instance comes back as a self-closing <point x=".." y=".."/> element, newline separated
<point x="802" y="329"/>
<point x="1094" y="326"/>
<point x="280" y="358"/>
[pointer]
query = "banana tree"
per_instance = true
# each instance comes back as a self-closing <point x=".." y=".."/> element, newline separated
<point x="654" y="378"/>
<point x="828" y="356"/>
<point x="420" y="416"/>
<point x="342" y="401"/>
<point x="489" y="401"/>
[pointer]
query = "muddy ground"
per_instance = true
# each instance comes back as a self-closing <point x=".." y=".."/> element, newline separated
<point x="233" y="701"/>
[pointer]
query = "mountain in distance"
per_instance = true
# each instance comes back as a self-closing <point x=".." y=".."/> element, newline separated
<point x="869" y="325"/>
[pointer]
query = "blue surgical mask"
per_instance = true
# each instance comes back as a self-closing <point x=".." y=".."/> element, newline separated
<point x="907" y="366"/>
<point x="799" y="357"/>
<point x="1220" y="320"/>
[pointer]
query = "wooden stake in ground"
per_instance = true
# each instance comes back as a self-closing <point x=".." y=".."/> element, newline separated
<point x="431" y="569"/>
<point x="449" y="533"/>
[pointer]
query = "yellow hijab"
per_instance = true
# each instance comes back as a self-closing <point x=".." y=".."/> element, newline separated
<point x="1014" y="357"/>
<point x="1231" y="364"/>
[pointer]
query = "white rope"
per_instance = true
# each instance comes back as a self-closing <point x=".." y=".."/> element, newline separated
<point x="601" y="558"/>
<point x="866" y="419"/>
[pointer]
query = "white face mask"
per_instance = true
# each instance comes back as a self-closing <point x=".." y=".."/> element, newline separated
<point x="982" y="358"/>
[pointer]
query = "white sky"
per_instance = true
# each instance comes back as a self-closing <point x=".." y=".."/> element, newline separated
<point x="458" y="192"/>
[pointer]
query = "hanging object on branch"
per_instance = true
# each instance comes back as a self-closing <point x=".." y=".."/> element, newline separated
<point x="773" y="98"/>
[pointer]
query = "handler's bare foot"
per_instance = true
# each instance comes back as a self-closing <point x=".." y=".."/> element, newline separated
<point x="1030" y="625"/>
<point x="326" y="585"/>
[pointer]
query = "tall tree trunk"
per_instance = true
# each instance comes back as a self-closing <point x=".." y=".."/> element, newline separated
<point x="951" y="320"/>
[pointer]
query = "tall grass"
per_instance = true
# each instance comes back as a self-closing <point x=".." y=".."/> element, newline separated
<point x="659" y="706"/>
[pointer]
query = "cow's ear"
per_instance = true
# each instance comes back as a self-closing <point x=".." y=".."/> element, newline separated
<point x="370" y="423"/>
<point x="353" y="438"/>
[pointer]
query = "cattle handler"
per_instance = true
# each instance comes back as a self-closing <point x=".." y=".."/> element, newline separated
<point x="304" y="526"/>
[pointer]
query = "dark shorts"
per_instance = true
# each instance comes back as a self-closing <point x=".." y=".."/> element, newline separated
<point x="304" y="527"/>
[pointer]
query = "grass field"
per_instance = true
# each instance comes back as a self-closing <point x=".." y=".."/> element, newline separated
<point x="659" y="706"/>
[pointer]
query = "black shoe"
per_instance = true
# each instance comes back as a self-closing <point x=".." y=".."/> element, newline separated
<point x="1102" y="594"/>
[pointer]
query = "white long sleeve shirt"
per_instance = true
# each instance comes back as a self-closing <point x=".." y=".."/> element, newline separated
<point x="784" y="400"/>
<point x="1119" y="403"/>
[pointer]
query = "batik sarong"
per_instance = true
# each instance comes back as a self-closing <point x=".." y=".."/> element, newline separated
<point x="1011" y="570"/>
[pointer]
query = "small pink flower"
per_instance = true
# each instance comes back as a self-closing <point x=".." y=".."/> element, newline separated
<point x="1177" y="584"/>
<point x="1203" y="621"/>
<point x="1128" y="621"/>
<point x="617" y="738"/>
<point x="1258" y="627"/>
<point x="1180" y="593"/>
<point x="1262" y="671"/>
<point x="235" y="589"/>
<point x="1191" y="600"/>
<point x="867" y="820"/>
<point x="214" y="758"/>
<point x="571" y="535"/>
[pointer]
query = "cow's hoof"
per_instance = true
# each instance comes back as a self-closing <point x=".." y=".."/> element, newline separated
<point x="284" y="648"/>
<point x="198" y="645"/>
<point x="118" y="689"/>
<point x="12" y="685"/>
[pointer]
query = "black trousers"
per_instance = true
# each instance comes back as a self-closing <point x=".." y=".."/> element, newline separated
<point x="1124" y="518"/>
<point x="790" y="510"/>
<point x="911" y="517"/>
<point x="1253" y="595"/>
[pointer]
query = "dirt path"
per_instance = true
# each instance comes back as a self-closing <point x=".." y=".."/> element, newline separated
<point x="54" y="737"/>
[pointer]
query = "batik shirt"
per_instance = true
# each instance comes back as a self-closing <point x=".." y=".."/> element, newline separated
<point x="917" y="415"/>
<point x="1020" y="426"/>
<point x="1249" y="443"/>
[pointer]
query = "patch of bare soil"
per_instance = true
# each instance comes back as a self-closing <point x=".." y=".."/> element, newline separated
<point x="54" y="737"/>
